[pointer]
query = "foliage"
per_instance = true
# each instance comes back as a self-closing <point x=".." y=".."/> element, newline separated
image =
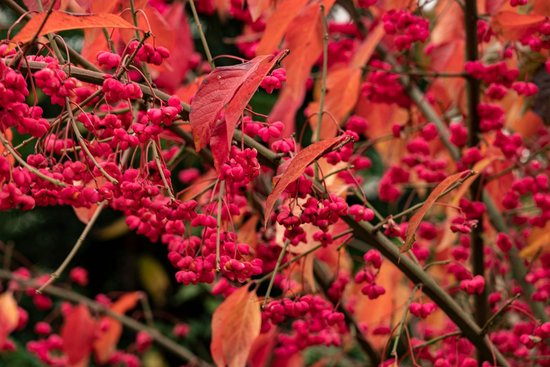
<point x="346" y="182"/>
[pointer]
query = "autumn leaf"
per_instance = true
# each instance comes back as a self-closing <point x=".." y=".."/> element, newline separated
<point x="428" y="203"/>
<point x="78" y="332"/>
<point x="297" y="166"/>
<point x="258" y="7"/>
<point x="226" y="90"/>
<point x="9" y="316"/>
<point x="512" y="25"/>
<point x="278" y="23"/>
<point x="235" y="325"/>
<point x="60" y="21"/>
<point x="343" y="87"/>
<point x="305" y="41"/>
<point x="477" y="169"/>
<point x="105" y="344"/>
<point x="538" y="240"/>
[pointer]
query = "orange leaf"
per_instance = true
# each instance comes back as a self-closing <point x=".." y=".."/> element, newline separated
<point x="105" y="344"/>
<point x="278" y="23"/>
<point x="304" y="39"/>
<point x="343" y="86"/>
<point x="478" y="169"/>
<point x="9" y="316"/>
<point x="430" y="201"/>
<point x="258" y="7"/>
<point x="512" y="25"/>
<point x="78" y="333"/>
<point x="297" y="166"/>
<point x="538" y="240"/>
<point x="235" y="325"/>
<point x="365" y="50"/>
<point x="60" y="21"/>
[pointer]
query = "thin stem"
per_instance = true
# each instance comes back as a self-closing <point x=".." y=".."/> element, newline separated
<point x="130" y="323"/>
<point x="323" y="75"/>
<point x="419" y="205"/>
<point x="219" y="222"/>
<point x="274" y="273"/>
<point x="156" y="157"/>
<point x="497" y="315"/>
<point x="288" y="263"/>
<point x="143" y="68"/>
<point x="201" y="33"/>
<point x="403" y="322"/>
<point x="22" y="162"/>
<point x="368" y="349"/>
<point x="57" y="273"/>
<point x="437" y="339"/>
<point x="82" y="143"/>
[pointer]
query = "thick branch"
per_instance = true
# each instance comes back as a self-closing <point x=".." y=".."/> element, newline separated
<point x="473" y="98"/>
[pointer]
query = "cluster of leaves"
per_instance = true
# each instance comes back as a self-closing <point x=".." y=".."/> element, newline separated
<point x="395" y="185"/>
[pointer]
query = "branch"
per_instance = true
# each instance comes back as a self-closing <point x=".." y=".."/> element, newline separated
<point x="321" y="278"/>
<point x="130" y="323"/>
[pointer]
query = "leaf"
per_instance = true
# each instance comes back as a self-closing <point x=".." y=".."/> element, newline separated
<point x="154" y="278"/>
<point x="105" y="344"/>
<point x="430" y="201"/>
<point x="297" y="166"/>
<point x="258" y="7"/>
<point x="278" y="23"/>
<point x="512" y="25"/>
<point x="343" y="88"/>
<point x="262" y="348"/>
<point x="227" y="89"/>
<point x="78" y="332"/>
<point x="478" y="168"/>
<point x="538" y="240"/>
<point x="60" y="21"/>
<point x="9" y="316"/>
<point x="235" y="325"/>
<point x="305" y="40"/>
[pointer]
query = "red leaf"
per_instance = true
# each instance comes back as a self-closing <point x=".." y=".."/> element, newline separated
<point x="235" y="325"/>
<point x="297" y="166"/>
<point x="9" y="316"/>
<point x="105" y="344"/>
<point x="78" y="333"/>
<point x="430" y="201"/>
<point x="227" y="89"/>
<point x="60" y="21"/>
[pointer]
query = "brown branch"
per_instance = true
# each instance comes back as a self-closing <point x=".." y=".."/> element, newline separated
<point x="130" y="323"/>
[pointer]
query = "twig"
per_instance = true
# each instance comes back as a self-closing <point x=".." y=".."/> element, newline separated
<point x="130" y="323"/>
<point x="57" y="273"/>
<point x="274" y="273"/>
<point x="201" y="33"/>
<point x="437" y="339"/>
<point x="323" y="75"/>
<point x="369" y="350"/>
<point x="82" y="143"/>
<point x="493" y="319"/>
<point x="22" y="162"/>
<point x="219" y="223"/>
<point x="403" y="322"/>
